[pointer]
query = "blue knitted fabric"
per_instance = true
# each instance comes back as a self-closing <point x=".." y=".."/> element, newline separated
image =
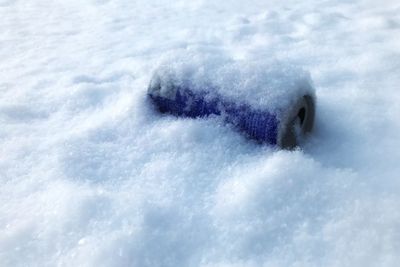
<point x="260" y="125"/>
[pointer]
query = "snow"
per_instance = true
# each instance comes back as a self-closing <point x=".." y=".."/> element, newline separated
<point x="91" y="175"/>
<point x="264" y="84"/>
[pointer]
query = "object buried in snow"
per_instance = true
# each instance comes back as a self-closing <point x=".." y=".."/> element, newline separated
<point x="279" y="113"/>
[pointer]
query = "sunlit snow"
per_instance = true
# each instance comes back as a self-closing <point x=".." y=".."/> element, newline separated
<point x="92" y="175"/>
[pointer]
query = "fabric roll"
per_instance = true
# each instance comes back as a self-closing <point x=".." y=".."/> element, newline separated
<point x="281" y="118"/>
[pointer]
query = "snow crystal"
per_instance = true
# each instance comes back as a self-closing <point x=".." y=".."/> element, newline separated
<point x="265" y="84"/>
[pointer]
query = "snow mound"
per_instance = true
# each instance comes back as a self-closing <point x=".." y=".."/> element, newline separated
<point x="263" y="84"/>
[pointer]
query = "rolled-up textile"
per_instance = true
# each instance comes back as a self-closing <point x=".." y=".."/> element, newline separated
<point x="270" y="103"/>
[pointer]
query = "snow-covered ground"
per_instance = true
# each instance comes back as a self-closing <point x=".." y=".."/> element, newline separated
<point x="91" y="175"/>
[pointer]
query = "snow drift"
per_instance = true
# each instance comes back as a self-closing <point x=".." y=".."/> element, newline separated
<point x="91" y="176"/>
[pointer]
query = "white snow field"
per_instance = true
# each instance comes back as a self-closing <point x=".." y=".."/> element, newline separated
<point x="92" y="175"/>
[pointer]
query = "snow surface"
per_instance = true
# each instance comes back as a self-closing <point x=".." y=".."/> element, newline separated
<point x="91" y="175"/>
<point x="264" y="84"/>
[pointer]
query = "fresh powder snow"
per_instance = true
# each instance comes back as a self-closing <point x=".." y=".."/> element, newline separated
<point x="263" y="84"/>
<point x="92" y="175"/>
